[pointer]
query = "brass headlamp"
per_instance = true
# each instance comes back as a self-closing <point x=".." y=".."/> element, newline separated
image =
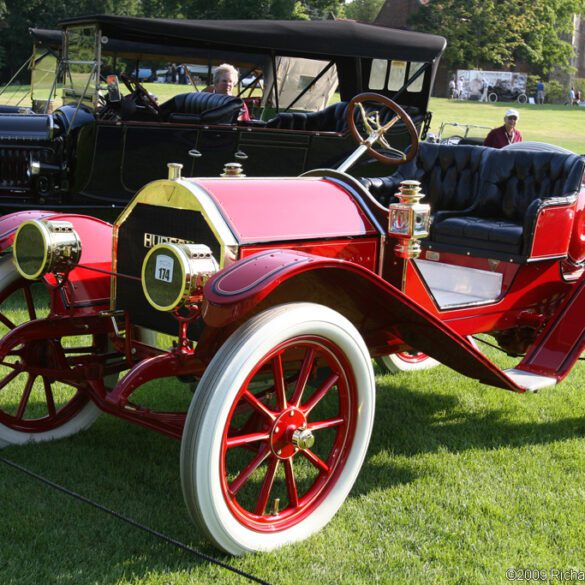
<point x="43" y="246"/>
<point x="173" y="275"/>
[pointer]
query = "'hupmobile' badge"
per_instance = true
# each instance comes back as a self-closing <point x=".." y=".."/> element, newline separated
<point x="151" y="240"/>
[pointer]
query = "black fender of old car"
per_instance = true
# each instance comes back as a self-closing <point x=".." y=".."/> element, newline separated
<point x="383" y="314"/>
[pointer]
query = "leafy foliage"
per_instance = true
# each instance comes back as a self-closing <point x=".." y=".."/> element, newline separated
<point x="555" y="92"/>
<point x="497" y="33"/>
<point x="363" y="10"/>
<point x="18" y="16"/>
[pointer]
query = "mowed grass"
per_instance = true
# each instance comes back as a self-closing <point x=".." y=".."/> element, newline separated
<point x="461" y="482"/>
<point x="555" y="124"/>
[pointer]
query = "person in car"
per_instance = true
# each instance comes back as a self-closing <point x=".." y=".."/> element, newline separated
<point x="225" y="78"/>
<point x="506" y="134"/>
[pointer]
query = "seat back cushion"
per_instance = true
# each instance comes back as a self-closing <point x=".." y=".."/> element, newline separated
<point x="204" y="106"/>
<point x="333" y="118"/>
<point x="512" y="180"/>
<point x="449" y="176"/>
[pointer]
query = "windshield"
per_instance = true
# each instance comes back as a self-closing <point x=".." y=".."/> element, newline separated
<point x="314" y="79"/>
<point x="82" y="54"/>
<point x="43" y="74"/>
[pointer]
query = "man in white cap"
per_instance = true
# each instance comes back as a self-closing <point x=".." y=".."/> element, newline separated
<point x="506" y="134"/>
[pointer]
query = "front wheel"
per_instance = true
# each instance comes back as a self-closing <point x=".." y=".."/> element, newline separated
<point x="34" y="407"/>
<point x="278" y="428"/>
<point x="522" y="98"/>
<point x="493" y="97"/>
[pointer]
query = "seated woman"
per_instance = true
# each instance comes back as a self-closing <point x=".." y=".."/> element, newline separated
<point x="225" y="78"/>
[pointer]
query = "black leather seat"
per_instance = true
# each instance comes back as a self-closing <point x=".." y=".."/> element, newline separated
<point x="483" y="200"/>
<point x="202" y="107"/>
<point x="448" y="175"/>
<point x="330" y="119"/>
<point x="514" y="187"/>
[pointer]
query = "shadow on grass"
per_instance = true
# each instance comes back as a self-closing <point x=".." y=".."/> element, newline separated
<point x="412" y="422"/>
<point x="48" y="537"/>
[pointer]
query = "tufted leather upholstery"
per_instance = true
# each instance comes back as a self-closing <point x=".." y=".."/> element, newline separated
<point x="483" y="198"/>
<point x="205" y="107"/>
<point x="514" y="187"/>
<point x="448" y="176"/>
<point x="331" y="119"/>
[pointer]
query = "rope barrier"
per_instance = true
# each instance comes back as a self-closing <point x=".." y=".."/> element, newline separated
<point x="131" y="522"/>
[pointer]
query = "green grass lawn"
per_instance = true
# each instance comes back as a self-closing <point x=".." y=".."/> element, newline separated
<point x="560" y="125"/>
<point x="461" y="482"/>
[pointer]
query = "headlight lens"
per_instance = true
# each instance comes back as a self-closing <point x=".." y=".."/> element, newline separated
<point x="174" y="274"/>
<point x="43" y="246"/>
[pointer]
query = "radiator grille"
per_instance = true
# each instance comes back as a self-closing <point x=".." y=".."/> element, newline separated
<point x="160" y="221"/>
<point x="14" y="161"/>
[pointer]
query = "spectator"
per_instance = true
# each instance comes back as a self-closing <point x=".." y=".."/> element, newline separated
<point x="572" y="97"/>
<point x="578" y="97"/>
<point x="225" y="77"/>
<point x="540" y="92"/>
<point x="506" y="134"/>
<point x="182" y="76"/>
<point x="460" y="88"/>
<point x="452" y="89"/>
<point x="484" y="90"/>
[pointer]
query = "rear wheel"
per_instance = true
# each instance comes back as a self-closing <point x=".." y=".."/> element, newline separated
<point x="522" y="98"/>
<point x="493" y="97"/>
<point x="35" y="408"/>
<point x="406" y="361"/>
<point x="278" y="428"/>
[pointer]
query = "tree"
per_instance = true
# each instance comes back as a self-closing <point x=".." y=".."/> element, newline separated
<point x="500" y="32"/>
<point x="261" y="9"/>
<point x="363" y="10"/>
<point x="19" y="16"/>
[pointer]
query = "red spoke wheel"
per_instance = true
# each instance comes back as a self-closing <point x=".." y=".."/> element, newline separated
<point x="406" y="361"/>
<point x="410" y="361"/>
<point x="278" y="428"/>
<point x="33" y="407"/>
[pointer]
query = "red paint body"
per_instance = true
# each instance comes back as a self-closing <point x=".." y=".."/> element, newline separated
<point x="318" y="240"/>
<point x="269" y="210"/>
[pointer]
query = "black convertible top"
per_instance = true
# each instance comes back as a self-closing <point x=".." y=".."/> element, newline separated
<point x="328" y="38"/>
<point x="47" y="37"/>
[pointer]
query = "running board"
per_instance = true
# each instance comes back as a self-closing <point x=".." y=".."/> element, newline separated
<point x="528" y="380"/>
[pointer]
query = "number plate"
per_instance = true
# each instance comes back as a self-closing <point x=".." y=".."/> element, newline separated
<point x="164" y="268"/>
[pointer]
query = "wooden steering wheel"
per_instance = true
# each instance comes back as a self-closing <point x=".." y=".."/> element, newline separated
<point x="376" y="130"/>
<point x="134" y="86"/>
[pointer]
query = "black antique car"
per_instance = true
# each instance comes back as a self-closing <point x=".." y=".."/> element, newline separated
<point x="109" y="138"/>
<point x="503" y="92"/>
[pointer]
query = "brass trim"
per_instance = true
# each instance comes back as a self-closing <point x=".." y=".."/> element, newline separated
<point x="181" y="260"/>
<point x="42" y="229"/>
<point x="180" y="194"/>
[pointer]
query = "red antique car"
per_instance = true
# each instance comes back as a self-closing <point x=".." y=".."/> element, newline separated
<point x="264" y="300"/>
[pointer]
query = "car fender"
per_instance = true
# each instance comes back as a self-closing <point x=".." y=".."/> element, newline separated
<point x="380" y="311"/>
<point x="88" y="285"/>
<point x="10" y="223"/>
<point x="577" y="241"/>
